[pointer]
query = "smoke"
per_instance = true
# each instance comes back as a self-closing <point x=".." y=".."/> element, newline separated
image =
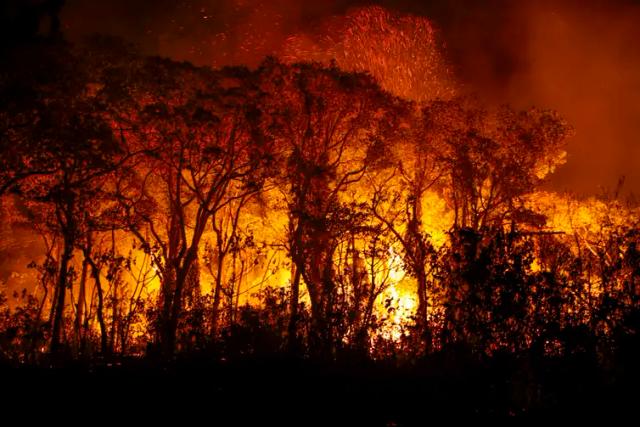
<point x="579" y="57"/>
<point x="205" y="32"/>
<point x="582" y="59"/>
<point x="576" y="56"/>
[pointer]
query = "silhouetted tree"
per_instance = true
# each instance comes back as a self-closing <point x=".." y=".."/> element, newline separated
<point x="493" y="159"/>
<point x="204" y="154"/>
<point x="330" y="127"/>
<point x="80" y="152"/>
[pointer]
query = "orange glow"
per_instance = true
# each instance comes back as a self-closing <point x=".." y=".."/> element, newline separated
<point x="345" y="192"/>
<point x="400" y="51"/>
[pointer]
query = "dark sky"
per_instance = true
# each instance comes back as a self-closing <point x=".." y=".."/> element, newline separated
<point x="579" y="57"/>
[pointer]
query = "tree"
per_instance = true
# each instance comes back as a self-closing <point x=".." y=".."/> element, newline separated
<point x="491" y="162"/>
<point x="80" y="151"/>
<point x="493" y="159"/>
<point x="204" y="155"/>
<point x="398" y="198"/>
<point x="329" y="127"/>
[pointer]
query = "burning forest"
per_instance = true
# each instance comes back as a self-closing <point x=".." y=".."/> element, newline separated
<point x="313" y="201"/>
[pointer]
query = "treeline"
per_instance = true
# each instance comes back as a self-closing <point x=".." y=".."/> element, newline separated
<point x="138" y="171"/>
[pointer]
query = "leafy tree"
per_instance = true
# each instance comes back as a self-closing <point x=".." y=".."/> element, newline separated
<point x="329" y="127"/>
<point x="493" y="159"/>
<point x="204" y="154"/>
<point x="78" y="150"/>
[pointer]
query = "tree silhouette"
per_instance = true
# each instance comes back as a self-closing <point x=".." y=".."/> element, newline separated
<point x="330" y="127"/>
<point x="203" y="156"/>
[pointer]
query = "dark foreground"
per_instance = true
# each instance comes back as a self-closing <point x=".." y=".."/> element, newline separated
<point x="286" y="391"/>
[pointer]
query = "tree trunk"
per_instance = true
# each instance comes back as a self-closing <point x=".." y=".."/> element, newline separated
<point x="80" y="338"/>
<point x="217" y="293"/>
<point x="422" y="296"/>
<point x="63" y="276"/>
<point x="170" y="317"/>
<point x="171" y="324"/>
<point x="293" y="344"/>
<point x="114" y="318"/>
<point x="95" y="273"/>
<point x="420" y="255"/>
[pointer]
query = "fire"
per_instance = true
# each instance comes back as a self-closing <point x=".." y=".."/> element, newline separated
<point x="400" y="307"/>
<point x="332" y="203"/>
<point x="396" y="267"/>
<point x="397" y="304"/>
<point x="401" y="51"/>
<point x="585" y="217"/>
<point x="437" y="218"/>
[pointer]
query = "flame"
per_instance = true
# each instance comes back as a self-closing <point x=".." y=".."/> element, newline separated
<point x="400" y="310"/>
<point x="397" y="304"/>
